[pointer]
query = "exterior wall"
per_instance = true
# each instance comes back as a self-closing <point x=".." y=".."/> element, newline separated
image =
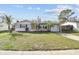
<point x="42" y="28"/>
<point x="17" y="26"/>
<point x="3" y="27"/>
<point x="55" y="28"/>
<point x="71" y="23"/>
<point x="78" y="26"/>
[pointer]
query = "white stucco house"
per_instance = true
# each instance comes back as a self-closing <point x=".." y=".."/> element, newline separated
<point x="67" y="25"/>
<point x="24" y="25"/>
<point x="55" y="28"/>
<point x="3" y="25"/>
<point x="42" y="27"/>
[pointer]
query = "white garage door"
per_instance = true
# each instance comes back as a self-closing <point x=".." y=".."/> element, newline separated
<point x="55" y="28"/>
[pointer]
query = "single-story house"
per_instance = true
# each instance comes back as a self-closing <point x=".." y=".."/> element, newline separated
<point x="3" y="25"/>
<point x="42" y="27"/>
<point x="55" y="28"/>
<point x="70" y="25"/>
<point x="24" y="25"/>
<point x="28" y="25"/>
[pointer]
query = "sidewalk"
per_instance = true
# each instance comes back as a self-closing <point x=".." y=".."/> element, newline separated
<point x="61" y="52"/>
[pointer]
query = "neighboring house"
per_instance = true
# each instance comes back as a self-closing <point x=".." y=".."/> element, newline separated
<point x="27" y="26"/>
<point x="72" y="24"/>
<point x="38" y="25"/>
<point x="55" y="28"/>
<point x="34" y="25"/>
<point x="3" y="25"/>
<point x="42" y="27"/>
<point x="24" y="25"/>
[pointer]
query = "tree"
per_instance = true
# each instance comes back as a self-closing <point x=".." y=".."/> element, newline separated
<point x="65" y="14"/>
<point x="34" y="24"/>
<point x="49" y="24"/>
<point x="8" y="20"/>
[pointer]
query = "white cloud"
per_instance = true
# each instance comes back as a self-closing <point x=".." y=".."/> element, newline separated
<point x="38" y="8"/>
<point x="52" y="10"/>
<point x="77" y="5"/>
<point x="2" y="12"/>
<point x="77" y="9"/>
<point x="30" y="8"/>
<point x="64" y="7"/>
<point x="58" y="9"/>
<point x="19" y="6"/>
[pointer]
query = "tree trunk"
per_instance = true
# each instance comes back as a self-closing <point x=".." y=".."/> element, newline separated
<point x="60" y="27"/>
<point x="9" y="28"/>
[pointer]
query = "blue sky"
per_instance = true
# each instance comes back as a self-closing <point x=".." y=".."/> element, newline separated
<point x="31" y="11"/>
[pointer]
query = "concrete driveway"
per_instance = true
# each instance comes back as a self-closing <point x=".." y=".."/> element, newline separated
<point x="70" y="36"/>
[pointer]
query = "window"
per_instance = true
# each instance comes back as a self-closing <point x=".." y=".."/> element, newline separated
<point x="45" y="27"/>
<point x="22" y="26"/>
<point x="1" y="25"/>
<point x="78" y="25"/>
<point x="0" y="19"/>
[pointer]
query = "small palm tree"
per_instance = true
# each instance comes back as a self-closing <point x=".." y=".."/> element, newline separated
<point x="34" y="25"/>
<point x="8" y="20"/>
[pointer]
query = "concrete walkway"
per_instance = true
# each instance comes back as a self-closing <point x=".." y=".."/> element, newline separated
<point x="70" y="36"/>
<point x="61" y="52"/>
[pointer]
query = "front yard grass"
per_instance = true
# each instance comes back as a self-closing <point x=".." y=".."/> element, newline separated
<point x="75" y="33"/>
<point x="36" y="41"/>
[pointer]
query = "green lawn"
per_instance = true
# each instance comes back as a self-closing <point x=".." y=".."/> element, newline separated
<point x="36" y="41"/>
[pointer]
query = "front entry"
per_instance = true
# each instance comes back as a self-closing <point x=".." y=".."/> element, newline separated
<point x="26" y="29"/>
